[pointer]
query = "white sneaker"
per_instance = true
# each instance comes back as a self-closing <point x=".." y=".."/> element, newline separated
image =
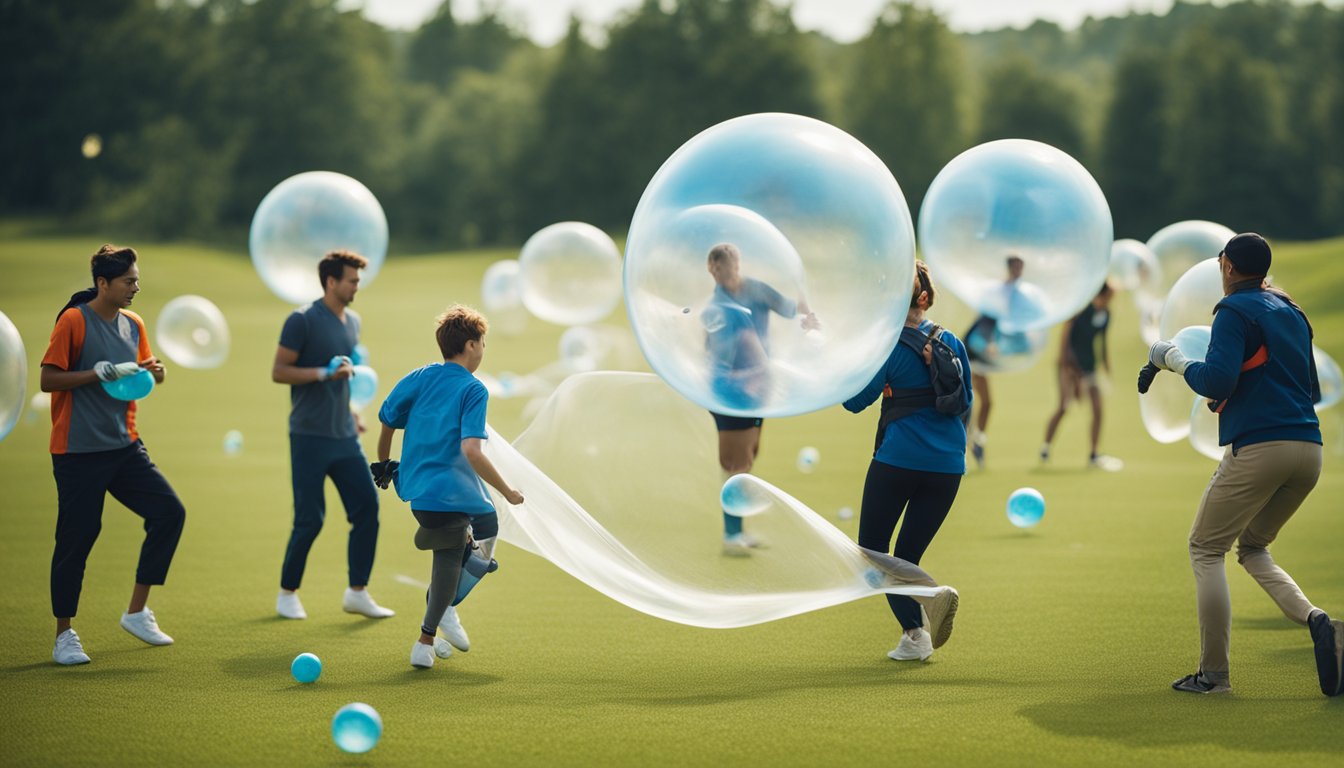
<point x="940" y="610"/>
<point x="361" y="602"/>
<point x="451" y="626"/>
<point x="741" y="544"/>
<point x="1106" y="463"/>
<point x="143" y="626"/>
<point x="287" y="604"/>
<point x="422" y="656"/>
<point x="68" y="649"/>
<point x="920" y="647"/>
<point x="442" y="649"/>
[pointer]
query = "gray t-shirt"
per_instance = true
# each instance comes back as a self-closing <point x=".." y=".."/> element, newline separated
<point x="321" y="408"/>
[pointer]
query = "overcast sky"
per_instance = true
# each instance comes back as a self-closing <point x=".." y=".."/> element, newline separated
<point x="844" y="20"/>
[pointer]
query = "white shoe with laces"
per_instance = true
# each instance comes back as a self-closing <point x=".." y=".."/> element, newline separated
<point x="143" y="626"/>
<point x="361" y="602"/>
<point x="919" y="647"/>
<point x="422" y="656"/>
<point x="287" y="604"/>
<point x="452" y="629"/>
<point x="69" y="650"/>
<point x="1106" y="463"/>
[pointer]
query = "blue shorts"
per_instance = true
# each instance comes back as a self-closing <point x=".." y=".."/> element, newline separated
<point x="734" y="423"/>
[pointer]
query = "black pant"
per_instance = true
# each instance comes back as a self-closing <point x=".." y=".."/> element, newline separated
<point x="82" y="482"/>
<point x="312" y="460"/>
<point x="925" y="497"/>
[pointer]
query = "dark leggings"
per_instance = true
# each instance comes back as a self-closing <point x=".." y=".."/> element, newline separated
<point x="82" y="482"/>
<point x="925" y="497"/>
<point x="445" y="533"/>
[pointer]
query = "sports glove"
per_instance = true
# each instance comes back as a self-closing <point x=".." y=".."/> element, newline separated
<point x="383" y="472"/>
<point x="108" y="371"/>
<point x="336" y="362"/>
<point x="1168" y="356"/>
<point x="1146" y="375"/>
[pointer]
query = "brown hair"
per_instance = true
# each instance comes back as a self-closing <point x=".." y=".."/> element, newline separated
<point x="456" y="326"/>
<point x="111" y="261"/>
<point x="334" y="263"/>
<point x="722" y="251"/>
<point x="925" y="283"/>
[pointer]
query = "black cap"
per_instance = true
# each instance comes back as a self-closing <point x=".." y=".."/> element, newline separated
<point x="1249" y="253"/>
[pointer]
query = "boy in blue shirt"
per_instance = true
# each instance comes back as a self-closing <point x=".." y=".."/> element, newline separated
<point x="442" y="409"/>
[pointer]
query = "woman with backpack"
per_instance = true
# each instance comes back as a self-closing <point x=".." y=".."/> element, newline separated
<point x="921" y="451"/>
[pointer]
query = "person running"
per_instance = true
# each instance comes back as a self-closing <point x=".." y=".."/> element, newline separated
<point x="919" y="461"/>
<point x="737" y="324"/>
<point x="96" y="449"/>
<point x="985" y="342"/>
<point x="1260" y="377"/>
<point x="314" y="360"/>
<point x="1078" y="357"/>
<point x="443" y="470"/>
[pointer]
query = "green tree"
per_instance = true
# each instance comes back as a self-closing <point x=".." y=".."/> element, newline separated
<point x="1134" y="132"/>
<point x="904" y="98"/>
<point x="1022" y="102"/>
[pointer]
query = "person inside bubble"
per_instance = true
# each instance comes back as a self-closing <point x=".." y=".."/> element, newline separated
<point x="985" y="343"/>
<point x="737" y="324"/>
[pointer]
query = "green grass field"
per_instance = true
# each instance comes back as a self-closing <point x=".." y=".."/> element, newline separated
<point x="1067" y="638"/>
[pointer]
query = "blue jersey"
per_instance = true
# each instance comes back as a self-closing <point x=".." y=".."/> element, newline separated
<point x="737" y="339"/>
<point x="320" y="408"/>
<point x="926" y="440"/>
<point x="438" y="406"/>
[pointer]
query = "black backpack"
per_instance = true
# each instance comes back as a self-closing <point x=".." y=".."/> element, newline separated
<point x="946" y="392"/>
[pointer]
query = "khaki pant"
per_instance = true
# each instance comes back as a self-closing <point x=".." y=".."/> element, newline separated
<point x="1251" y="496"/>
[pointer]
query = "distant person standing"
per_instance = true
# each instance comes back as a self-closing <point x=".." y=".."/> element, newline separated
<point x="1260" y="377"/>
<point x="96" y="450"/>
<point x="737" y="325"/>
<point x="1082" y="346"/>
<point x="314" y="359"/>
<point x="983" y="350"/>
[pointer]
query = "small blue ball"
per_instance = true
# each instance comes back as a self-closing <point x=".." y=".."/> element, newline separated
<point x="1026" y="507"/>
<point x="306" y="668"/>
<point x="356" y="728"/>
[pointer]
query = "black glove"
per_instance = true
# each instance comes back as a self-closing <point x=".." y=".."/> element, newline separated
<point x="383" y="472"/>
<point x="1146" y="374"/>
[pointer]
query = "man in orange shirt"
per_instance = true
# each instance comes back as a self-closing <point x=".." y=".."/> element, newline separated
<point x="95" y="449"/>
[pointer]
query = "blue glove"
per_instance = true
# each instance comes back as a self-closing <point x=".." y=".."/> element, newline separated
<point x="336" y="362"/>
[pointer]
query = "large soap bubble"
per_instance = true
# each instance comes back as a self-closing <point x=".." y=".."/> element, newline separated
<point x="1330" y="376"/>
<point x="193" y="333"/>
<point x="1192" y="299"/>
<point x="817" y="218"/>
<point x="641" y="520"/>
<point x="1182" y="245"/>
<point x="1133" y="266"/>
<point x="13" y="375"/>
<point x="1204" y="429"/>
<point x="502" y="297"/>
<point x="1018" y="230"/>
<point x="570" y="273"/>
<point x="303" y="218"/>
<point x="1165" y="409"/>
<point x="995" y="351"/>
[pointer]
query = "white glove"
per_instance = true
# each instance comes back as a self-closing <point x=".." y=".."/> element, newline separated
<point x="108" y="371"/>
<point x="1168" y="357"/>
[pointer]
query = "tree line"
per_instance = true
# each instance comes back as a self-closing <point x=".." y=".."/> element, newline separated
<point x="471" y="134"/>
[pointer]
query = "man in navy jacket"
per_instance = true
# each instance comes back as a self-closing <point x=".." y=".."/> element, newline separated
<point x="1260" y="377"/>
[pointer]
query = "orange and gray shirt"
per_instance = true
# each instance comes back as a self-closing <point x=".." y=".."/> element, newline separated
<point x="87" y="419"/>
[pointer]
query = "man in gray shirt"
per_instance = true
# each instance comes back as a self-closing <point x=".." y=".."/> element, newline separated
<point x="314" y="359"/>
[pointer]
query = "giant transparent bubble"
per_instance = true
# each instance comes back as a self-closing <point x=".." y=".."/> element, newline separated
<point x="1204" y="430"/>
<point x="13" y="375"/>
<point x="303" y="218"/>
<point x="640" y="519"/>
<point x="1165" y="409"/>
<point x="1182" y="245"/>
<point x="1024" y="200"/>
<point x="1134" y="269"/>
<point x="995" y="351"/>
<point x="1330" y="377"/>
<point x="193" y="333"/>
<point x="502" y="297"/>
<point x="570" y="273"/>
<point x="1192" y="299"/>
<point x="817" y="218"/>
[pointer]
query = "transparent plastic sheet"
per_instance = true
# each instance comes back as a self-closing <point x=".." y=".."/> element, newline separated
<point x="622" y="484"/>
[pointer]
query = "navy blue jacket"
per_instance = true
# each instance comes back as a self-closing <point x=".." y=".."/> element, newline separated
<point x="1273" y="401"/>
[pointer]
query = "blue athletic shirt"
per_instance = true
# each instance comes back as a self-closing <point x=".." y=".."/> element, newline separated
<point x="926" y="440"/>
<point x="438" y="406"/>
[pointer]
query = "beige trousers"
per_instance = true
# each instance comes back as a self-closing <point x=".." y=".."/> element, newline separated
<point x="1251" y="496"/>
